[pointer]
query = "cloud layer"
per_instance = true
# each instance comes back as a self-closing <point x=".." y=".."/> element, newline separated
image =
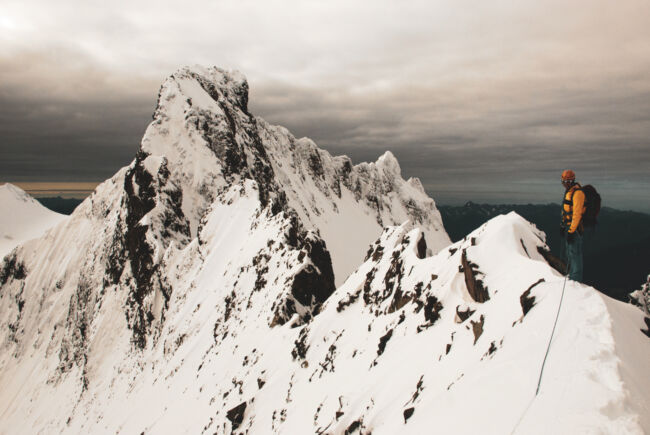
<point x="481" y="101"/>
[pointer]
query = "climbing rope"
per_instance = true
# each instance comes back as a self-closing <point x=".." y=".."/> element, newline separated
<point x="548" y="347"/>
<point x="557" y="316"/>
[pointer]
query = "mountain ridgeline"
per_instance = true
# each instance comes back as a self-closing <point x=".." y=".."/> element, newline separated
<point x="616" y="253"/>
<point x="235" y="279"/>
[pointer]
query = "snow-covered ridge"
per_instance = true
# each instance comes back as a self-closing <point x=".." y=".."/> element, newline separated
<point x="108" y="274"/>
<point x="203" y="128"/>
<point x="22" y="218"/>
<point x="194" y="292"/>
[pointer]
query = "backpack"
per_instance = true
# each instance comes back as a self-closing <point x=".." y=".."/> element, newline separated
<point x="592" y="206"/>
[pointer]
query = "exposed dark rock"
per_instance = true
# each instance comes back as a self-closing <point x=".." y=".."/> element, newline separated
<point x="523" y="245"/>
<point x="327" y="365"/>
<point x="377" y="254"/>
<point x="228" y="303"/>
<point x="223" y="132"/>
<point x="314" y="284"/>
<point x="421" y="247"/>
<point x="348" y="300"/>
<point x="418" y="389"/>
<point x="260" y="261"/>
<point x="139" y="202"/>
<point x="115" y="259"/>
<point x="448" y="348"/>
<point x="12" y="268"/>
<point x="464" y="315"/>
<point x="408" y="412"/>
<point x="527" y="301"/>
<point x="392" y="281"/>
<point x="399" y="300"/>
<point x="355" y="425"/>
<point x="492" y="349"/>
<point x="552" y="260"/>
<point x="418" y="291"/>
<point x="432" y="309"/>
<point x="300" y="345"/>
<point x="474" y="286"/>
<point x="236" y="415"/>
<point x="477" y="327"/>
<point x="316" y="164"/>
<point x="646" y="331"/>
<point x="368" y="297"/>
<point x="383" y="341"/>
<point x="74" y="346"/>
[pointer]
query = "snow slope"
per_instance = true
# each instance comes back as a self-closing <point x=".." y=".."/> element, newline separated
<point x="194" y="292"/>
<point x="22" y="218"/>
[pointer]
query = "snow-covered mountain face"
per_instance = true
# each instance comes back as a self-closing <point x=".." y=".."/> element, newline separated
<point x="212" y="188"/>
<point x="195" y="292"/>
<point x="22" y="218"/>
<point x="208" y="140"/>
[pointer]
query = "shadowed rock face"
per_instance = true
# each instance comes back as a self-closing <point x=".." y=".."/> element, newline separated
<point x="474" y="286"/>
<point x="12" y="268"/>
<point x="139" y="252"/>
<point x="314" y="284"/>
<point x="477" y="327"/>
<point x="236" y="415"/>
<point x="463" y="314"/>
<point x="422" y="247"/>
<point x="527" y="301"/>
<point x="143" y="192"/>
<point x="552" y="260"/>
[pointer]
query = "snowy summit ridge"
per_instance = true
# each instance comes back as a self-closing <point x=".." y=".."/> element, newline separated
<point x="203" y="126"/>
<point x="23" y="218"/>
<point x="235" y="279"/>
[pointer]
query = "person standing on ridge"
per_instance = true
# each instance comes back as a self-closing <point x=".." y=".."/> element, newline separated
<point x="573" y="208"/>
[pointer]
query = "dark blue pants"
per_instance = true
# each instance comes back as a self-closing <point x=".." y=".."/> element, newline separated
<point x="574" y="257"/>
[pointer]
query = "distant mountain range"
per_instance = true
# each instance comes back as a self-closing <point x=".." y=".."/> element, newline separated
<point x="616" y="254"/>
<point x="60" y="205"/>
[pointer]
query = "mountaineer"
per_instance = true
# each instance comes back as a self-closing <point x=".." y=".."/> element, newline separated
<point x="572" y="227"/>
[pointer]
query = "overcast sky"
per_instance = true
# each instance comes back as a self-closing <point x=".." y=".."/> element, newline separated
<point x="483" y="101"/>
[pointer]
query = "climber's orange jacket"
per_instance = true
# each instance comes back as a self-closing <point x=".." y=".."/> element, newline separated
<point x="573" y="208"/>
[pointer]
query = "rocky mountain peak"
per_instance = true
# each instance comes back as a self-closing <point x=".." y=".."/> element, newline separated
<point x="388" y="162"/>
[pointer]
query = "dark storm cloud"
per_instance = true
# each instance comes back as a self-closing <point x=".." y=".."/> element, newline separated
<point x="509" y="147"/>
<point x="482" y="103"/>
<point x="56" y="140"/>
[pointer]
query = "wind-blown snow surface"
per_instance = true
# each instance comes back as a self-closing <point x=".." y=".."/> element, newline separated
<point x="22" y="218"/>
<point x="194" y="292"/>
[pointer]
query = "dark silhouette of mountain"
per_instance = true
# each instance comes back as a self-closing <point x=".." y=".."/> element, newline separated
<point x="60" y="205"/>
<point x="616" y="253"/>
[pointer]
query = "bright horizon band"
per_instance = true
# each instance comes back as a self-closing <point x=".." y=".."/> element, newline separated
<point x="63" y="189"/>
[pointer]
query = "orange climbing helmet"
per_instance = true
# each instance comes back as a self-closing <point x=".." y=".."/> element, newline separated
<point x="568" y="175"/>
